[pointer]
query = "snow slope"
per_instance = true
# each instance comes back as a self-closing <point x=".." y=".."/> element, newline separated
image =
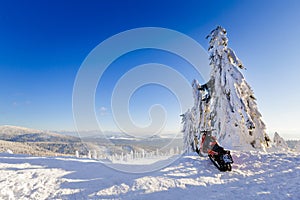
<point x="255" y="175"/>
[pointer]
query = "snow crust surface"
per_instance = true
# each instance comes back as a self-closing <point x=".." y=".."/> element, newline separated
<point x="255" y="175"/>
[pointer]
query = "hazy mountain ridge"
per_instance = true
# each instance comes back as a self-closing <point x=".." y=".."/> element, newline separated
<point x="23" y="140"/>
<point x="22" y="134"/>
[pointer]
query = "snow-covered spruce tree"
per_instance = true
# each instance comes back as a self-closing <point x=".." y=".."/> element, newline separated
<point x="195" y="120"/>
<point x="234" y="112"/>
<point x="279" y="142"/>
<point x="188" y="131"/>
<point x="226" y="103"/>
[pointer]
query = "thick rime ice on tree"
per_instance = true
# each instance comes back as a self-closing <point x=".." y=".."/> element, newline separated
<point x="279" y="142"/>
<point x="188" y="128"/>
<point x="226" y="103"/>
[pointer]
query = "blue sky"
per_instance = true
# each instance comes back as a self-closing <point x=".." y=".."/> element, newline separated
<point x="43" y="43"/>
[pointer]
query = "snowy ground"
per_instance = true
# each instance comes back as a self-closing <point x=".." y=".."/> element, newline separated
<point x="254" y="176"/>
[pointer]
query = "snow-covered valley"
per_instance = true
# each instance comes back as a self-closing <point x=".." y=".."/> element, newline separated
<point x="255" y="175"/>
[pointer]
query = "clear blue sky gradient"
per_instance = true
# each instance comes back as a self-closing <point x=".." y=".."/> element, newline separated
<point x="43" y="43"/>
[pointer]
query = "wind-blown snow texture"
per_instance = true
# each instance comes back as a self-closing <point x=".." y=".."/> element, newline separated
<point x="255" y="175"/>
<point x="226" y="103"/>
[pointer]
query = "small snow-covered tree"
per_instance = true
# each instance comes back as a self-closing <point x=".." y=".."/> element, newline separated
<point x="177" y="151"/>
<point x="279" y="142"/>
<point x="89" y="155"/>
<point x="143" y="153"/>
<point x="95" y="155"/>
<point x="188" y="131"/>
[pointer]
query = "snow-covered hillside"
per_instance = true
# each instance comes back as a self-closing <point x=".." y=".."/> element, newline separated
<point x="8" y="129"/>
<point x="23" y="148"/>
<point x="23" y="134"/>
<point x="22" y="140"/>
<point x="255" y="175"/>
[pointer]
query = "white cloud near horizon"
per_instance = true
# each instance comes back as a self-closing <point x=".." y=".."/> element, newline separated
<point x="103" y="111"/>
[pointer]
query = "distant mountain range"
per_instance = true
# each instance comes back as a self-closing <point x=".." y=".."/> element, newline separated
<point x="113" y="135"/>
<point x="93" y="134"/>
<point x="23" y="140"/>
<point x="22" y="134"/>
<point x="36" y="142"/>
